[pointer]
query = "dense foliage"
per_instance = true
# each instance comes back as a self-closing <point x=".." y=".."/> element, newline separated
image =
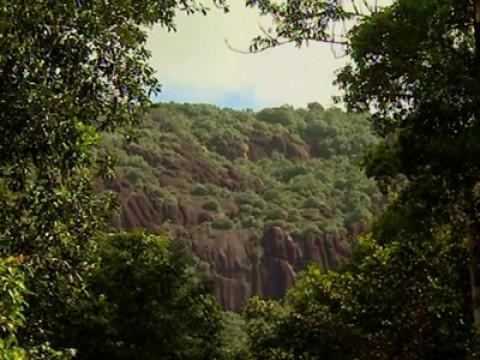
<point x="12" y="319"/>
<point x="405" y="299"/>
<point x="152" y="303"/>
<point x="415" y="67"/>
<point x="425" y="93"/>
<point x="72" y="70"/>
<point x="68" y="71"/>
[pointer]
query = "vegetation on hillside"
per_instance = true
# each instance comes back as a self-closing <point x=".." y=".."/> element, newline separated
<point x="74" y="69"/>
<point x="300" y="167"/>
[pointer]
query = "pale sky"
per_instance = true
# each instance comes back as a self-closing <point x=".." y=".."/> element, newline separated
<point x="195" y="65"/>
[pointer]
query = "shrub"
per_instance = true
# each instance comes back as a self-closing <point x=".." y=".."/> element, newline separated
<point x="234" y="337"/>
<point x="271" y="195"/>
<point x="200" y="190"/>
<point x="313" y="203"/>
<point x="223" y="224"/>
<point x="312" y="229"/>
<point x="12" y="307"/>
<point x="250" y="210"/>
<point x="280" y="223"/>
<point x="290" y="173"/>
<point x="276" y="214"/>
<point x="164" y="195"/>
<point x="133" y="177"/>
<point x="297" y="234"/>
<point x="208" y="190"/>
<point x="154" y="304"/>
<point x="252" y="199"/>
<point x="211" y="205"/>
<point x="251" y="222"/>
<point x="136" y="161"/>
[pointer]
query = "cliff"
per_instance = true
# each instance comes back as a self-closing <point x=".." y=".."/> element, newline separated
<point x="255" y="196"/>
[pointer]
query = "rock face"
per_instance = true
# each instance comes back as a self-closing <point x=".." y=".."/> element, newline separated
<point x="187" y="167"/>
<point x="261" y="146"/>
<point x="243" y="263"/>
<point x="255" y="196"/>
<point x="281" y="260"/>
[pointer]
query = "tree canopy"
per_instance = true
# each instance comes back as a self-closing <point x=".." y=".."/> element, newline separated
<point x="68" y="70"/>
<point x="76" y="70"/>
<point x="414" y="66"/>
<point x="152" y="303"/>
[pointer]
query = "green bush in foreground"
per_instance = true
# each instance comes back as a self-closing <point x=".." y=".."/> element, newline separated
<point x="403" y="300"/>
<point x="153" y="304"/>
<point x="12" y="306"/>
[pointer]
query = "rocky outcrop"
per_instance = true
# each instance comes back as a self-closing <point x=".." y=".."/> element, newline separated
<point x="328" y="251"/>
<point x="188" y="166"/>
<point x="292" y="150"/>
<point x="243" y="262"/>
<point x="245" y="267"/>
<point x="260" y="145"/>
<point x="282" y="258"/>
<point x="229" y="184"/>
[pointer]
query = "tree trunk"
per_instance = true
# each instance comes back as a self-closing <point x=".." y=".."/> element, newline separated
<point x="473" y="231"/>
<point x="476" y="22"/>
<point x="474" y="250"/>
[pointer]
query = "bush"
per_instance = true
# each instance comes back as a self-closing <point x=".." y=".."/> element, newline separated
<point x="312" y="229"/>
<point x="290" y="173"/>
<point x="153" y="304"/>
<point x="200" y="190"/>
<point x="234" y="336"/>
<point x="133" y="177"/>
<point x="164" y="195"/>
<point x="138" y="177"/>
<point x="136" y="161"/>
<point x="297" y="234"/>
<point x="313" y="203"/>
<point x="280" y="223"/>
<point x="251" y="222"/>
<point x="284" y="115"/>
<point x="208" y="190"/>
<point x="271" y="195"/>
<point x="12" y="306"/>
<point x="276" y="214"/>
<point x="250" y="210"/>
<point x="252" y="199"/>
<point x="223" y="224"/>
<point x="211" y="205"/>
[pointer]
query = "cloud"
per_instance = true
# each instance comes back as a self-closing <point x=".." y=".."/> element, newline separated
<point x="196" y="60"/>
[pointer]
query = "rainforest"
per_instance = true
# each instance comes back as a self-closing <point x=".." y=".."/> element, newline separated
<point x="227" y="226"/>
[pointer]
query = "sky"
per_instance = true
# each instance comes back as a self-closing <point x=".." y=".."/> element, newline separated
<point x="194" y="64"/>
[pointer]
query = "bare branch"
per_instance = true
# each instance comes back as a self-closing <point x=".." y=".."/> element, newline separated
<point x="332" y="42"/>
<point x="354" y="6"/>
<point x="265" y="32"/>
<point x="248" y="52"/>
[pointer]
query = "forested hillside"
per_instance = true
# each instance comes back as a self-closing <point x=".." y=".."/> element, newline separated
<point x="255" y="195"/>
<point x="236" y="203"/>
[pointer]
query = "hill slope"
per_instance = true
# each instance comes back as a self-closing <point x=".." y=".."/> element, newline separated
<point x="255" y="195"/>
